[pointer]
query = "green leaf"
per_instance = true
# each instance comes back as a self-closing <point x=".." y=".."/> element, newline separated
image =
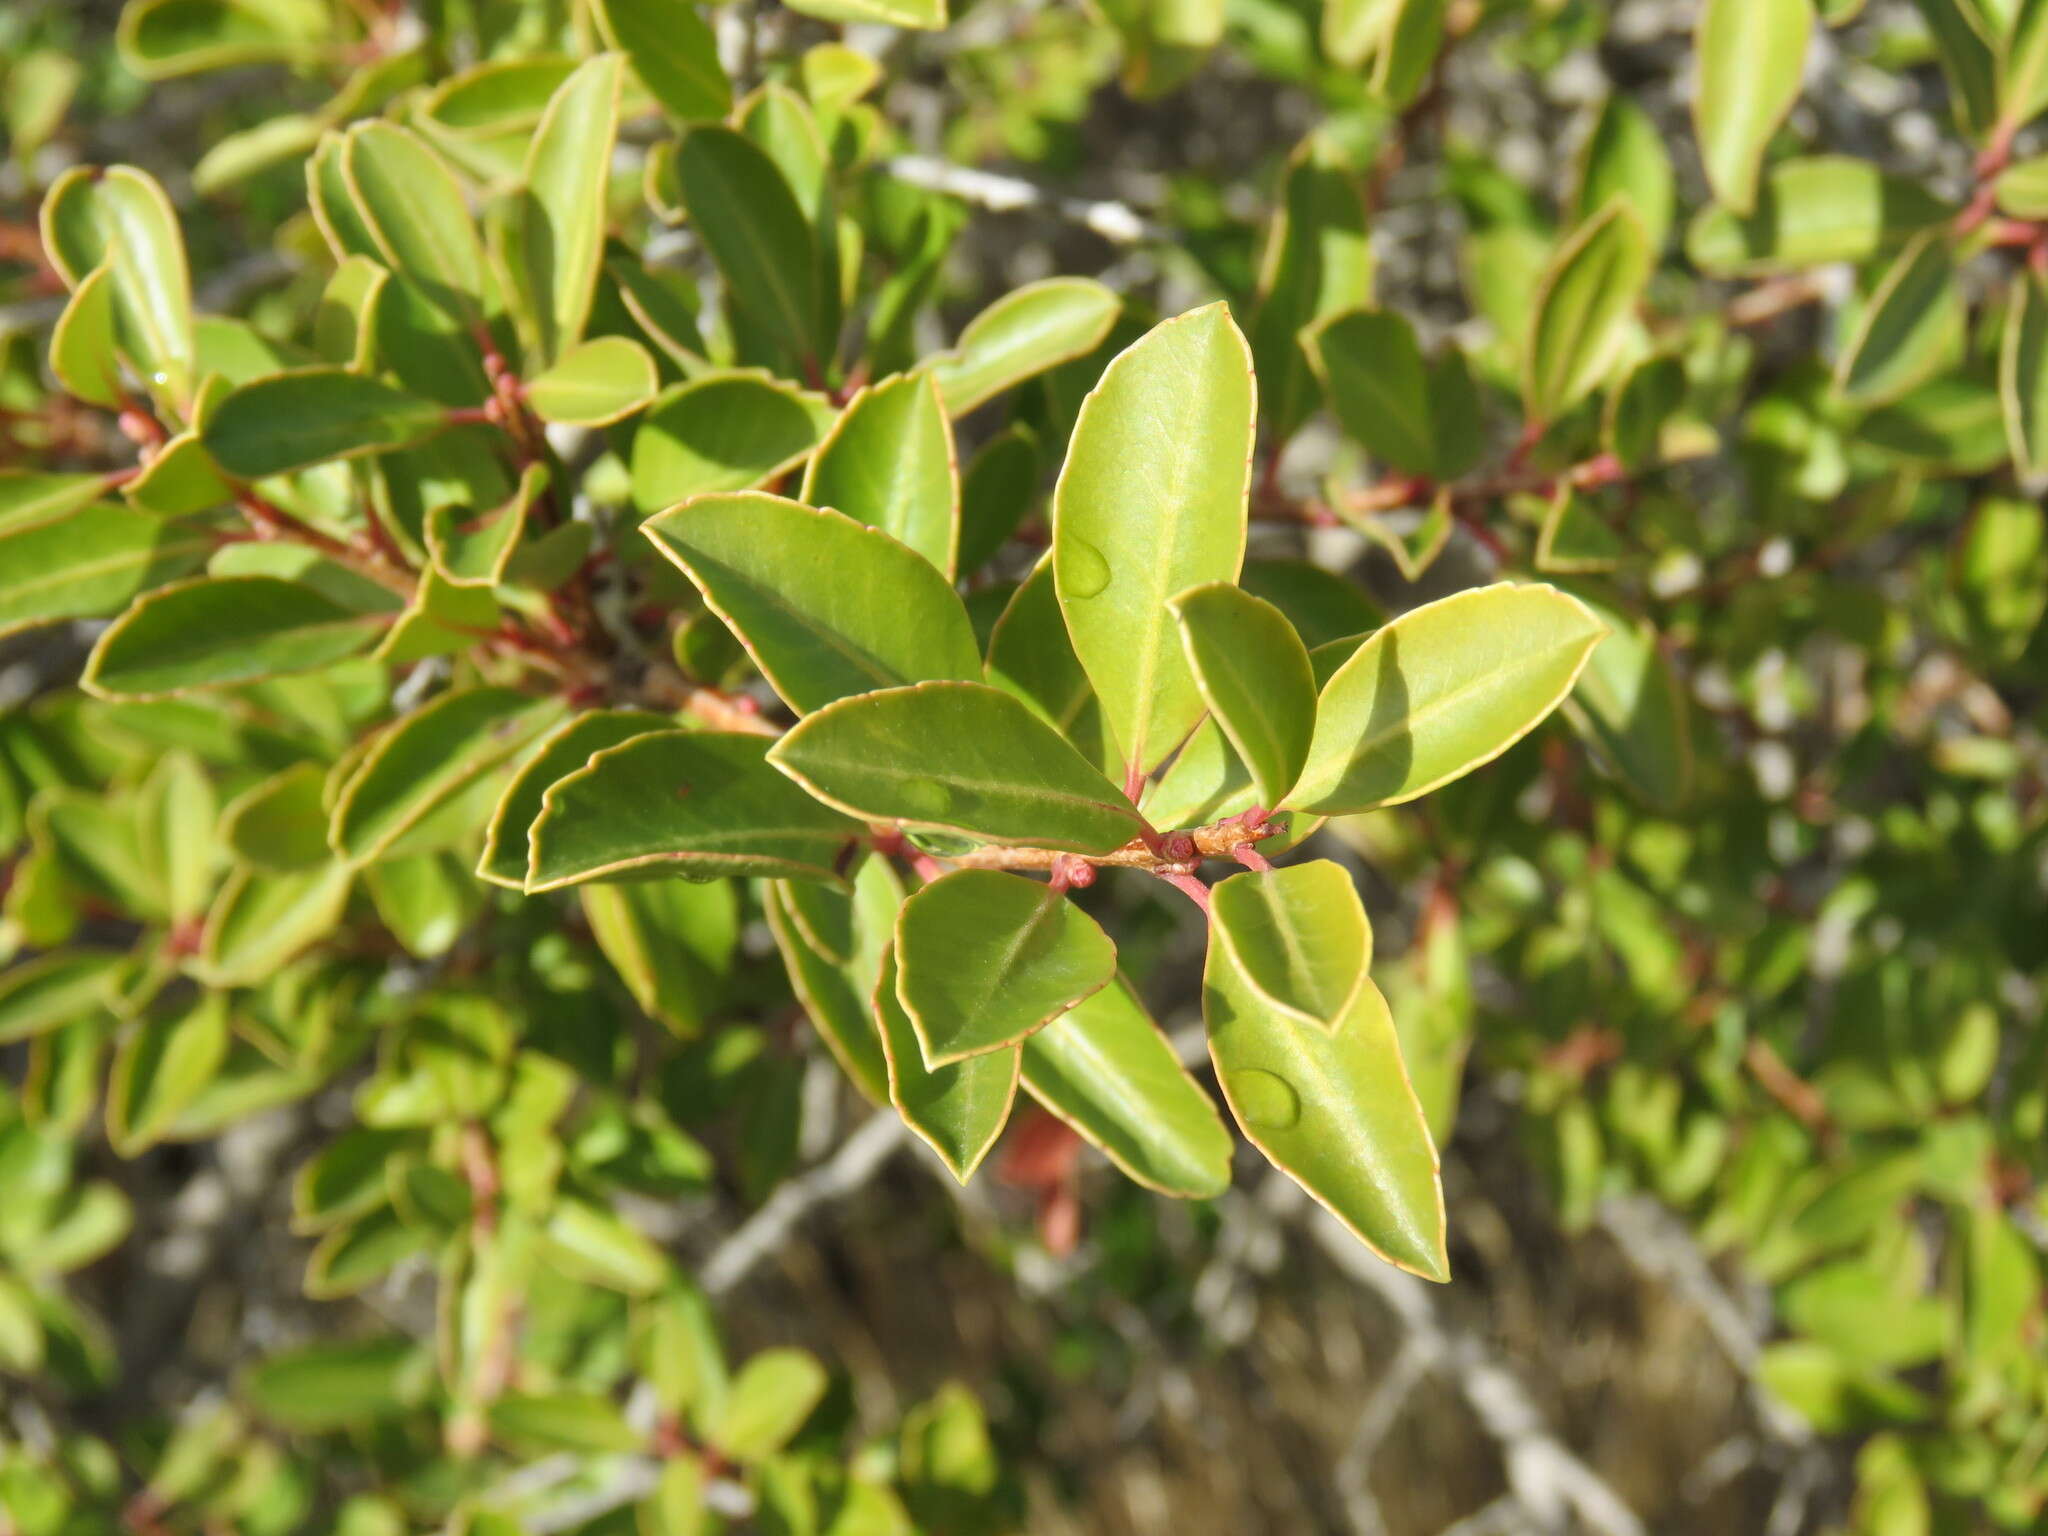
<point x="1912" y="328"/>
<point x="311" y="415"/>
<point x="838" y="993"/>
<point x="443" y="619"/>
<point x="750" y="222"/>
<point x="2023" y="188"/>
<point x="595" y="1244"/>
<point x="1630" y="704"/>
<point x="957" y="1111"/>
<point x="925" y="15"/>
<point x="1254" y="675"/>
<point x="674" y="53"/>
<point x="724" y="432"/>
<point x="766" y="1404"/>
<point x="261" y="919"/>
<point x="1318" y="263"/>
<point x="175" y="815"/>
<point x="159" y="39"/>
<point x="347" y="1178"/>
<point x="693" y="803"/>
<point x="410" y="205"/>
<point x="581" y="1422"/>
<point x="1151" y="501"/>
<point x="51" y="990"/>
<point x="89" y="563"/>
<point x="2022" y="75"/>
<point x="473" y="549"/>
<point x="1105" y="1069"/>
<point x="1584" y="307"/>
<point x="1811" y="212"/>
<point x="889" y="463"/>
<point x="2023" y="374"/>
<point x="120" y="217"/>
<point x="1624" y="156"/>
<point x="82" y="345"/>
<point x="1444" y="688"/>
<point x="962" y="758"/>
<point x="336" y="1386"/>
<point x="1030" y="656"/>
<point x="1021" y="335"/>
<point x="179" y="481"/>
<point x="31" y="498"/>
<point x="595" y="383"/>
<point x="280" y="823"/>
<point x="1298" y="938"/>
<point x="561" y="216"/>
<point x="1331" y="1107"/>
<point x="1377" y="381"/>
<point x="353" y="1257"/>
<point x="159" y="1068"/>
<point x="239" y="156"/>
<point x="228" y="629"/>
<point x="826" y="607"/>
<point x="561" y="752"/>
<point x="996" y="492"/>
<point x="427" y="760"/>
<point x="1574" y="537"/>
<point x="1752" y="54"/>
<point x="671" y="941"/>
<point x="985" y="959"/>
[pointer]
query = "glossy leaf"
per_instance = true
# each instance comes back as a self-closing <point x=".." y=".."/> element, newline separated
<point x="1444" y="688"/>
<point x="1030" y="656"/>
<point x="594" y="383"/>
<point x="726" y="432"/>
<point x="1105" y="1069"/>
<point x="1330" y="1107"/>
<point x="1254" y="675"/>
<point x="1810" y="212"/>
<point x="561" y="224"/>
<point x="889" y="462"/>
<point x="1752" y="54"/>
<point x="826" y="607"/>
<point x="228" y="629"/>
<point x="90" y="563"/>
<point x="986" y="958"/>
<point x="674" y="53"/>
<point x="311" y="415"/>
<point x="2022" y="71"/>
<point x="1583" y="309"/>
<point x="560" y="753"/>
<point x="120" y="217"/>
<point x="695" y="804"/>
<point x="957" y="1111"/>
<point x="1911" y="329"/>
<point x="751" y="223"/>
<point x="1624" y="156"/>
<point x="426" y="761"/>
<point x="960" y="758"/>
<point x="1151" y="501"/>
<point x="1024" y="333"/>
<point x="1298" y="938"/>
<point x="408" y="202"/>
<point x="926" y="15"/>
<point x="83" y="352"/>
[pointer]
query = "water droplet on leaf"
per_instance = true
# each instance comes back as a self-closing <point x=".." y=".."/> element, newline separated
<point x="1082" y="570"/>
<point x="1264" y="1101"/>
<point x="926" y="797"/>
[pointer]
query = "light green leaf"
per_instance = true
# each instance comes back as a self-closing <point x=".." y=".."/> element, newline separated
<point x="595" y="383"/>
<point x="2023" y="188"/>
<point x="766" y="1404"/>
<point x="1151" y="501"/>
<point x="443" y="619"/>
<point x="826" y="607"/>
<point x="925" y="15"/>
<point x="476" y="549"/>
<point x="1574" y="537"/>
<point x="561" y="217"/>
<point x="1318" y="262"/>
<point x="159" y="39"/>
<point x="51" y="990"/>
<point x="724" y="432"/>
<point x="671" y="941"/>
<point x="2022" y="72"/>
<point x="1810" y="212"/>
<point x="1299" y="939"/>
<point x="311" y="415"/>
<point x="1441" y="690"/>
<point x="228" y="629"/>
<point x="561" y="752"/>
<point x="839" y="994"/>
<point x="580" y="1422"/>
<point x="159" y="1067"/>
<point x="889" y="462"/>
<point x="410" y="205"/>
<point x="1630" y="704"/>
<point x="957" y="1111"/>
<point x="1254" y="675"/>
<point x="1912" y="328"/>
<point x="698" y="804"/>
<point x="1021" y="335"/>
<point x="1583" y="308"/>
<point x="673" y="51"/>
<point x="280" y="823"/>
<point x="1105" y="1069"/>
<point x="175" y="815"/>
<point x="238" y="156"/>
<point x="120" y="217"/>
<point x="960" y="758"/>
<point x="89" y="563"/>
<point x="1752" y="54"/>
<point x="596" y="1244"/>
<point x="179" y="481"/>
<point x="1330" y="1107"/>
<point x="425" y="761"/>
<point x="751" y="223"/>
<point x="986" y="958"/>
<point x="83" y="352"/>
<point x="336" y="1386"/>
<point x="260" y="920"/>
<point x="30" y="498"/>
<point x="1624" y="156"/>
<point x="2023" y="374"/>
